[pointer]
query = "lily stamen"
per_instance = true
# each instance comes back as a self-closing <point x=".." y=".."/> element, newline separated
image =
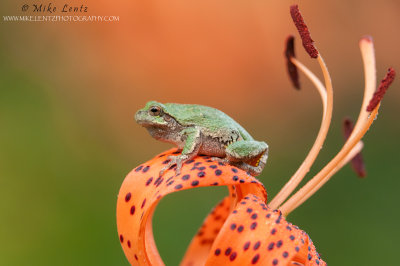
<point x="363" y="123"/>
<point x="327" y="101"/>
<point x="357" y="161"/>
<point x="378" y="95"/>
<point x="353" y="145"/>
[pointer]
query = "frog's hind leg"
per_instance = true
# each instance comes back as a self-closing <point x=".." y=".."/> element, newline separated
<point x="253" y="170"/>
<point x="249" y="155"/>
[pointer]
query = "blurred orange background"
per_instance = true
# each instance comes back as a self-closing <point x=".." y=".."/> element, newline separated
<point x="69" y="92"/>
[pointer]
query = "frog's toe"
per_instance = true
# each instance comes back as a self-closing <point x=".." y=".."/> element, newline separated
<point x="178" y="169"/>
<point x="179" y="162"/>
<point x="251" y="170"/>
<point x="162" y="171"/>
<point x="173" y="161"/>
<point x="220" y="160"/>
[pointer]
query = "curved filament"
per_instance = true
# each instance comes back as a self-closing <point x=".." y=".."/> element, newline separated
<point x="327" y="101"/>
<point x="364" y="121"/>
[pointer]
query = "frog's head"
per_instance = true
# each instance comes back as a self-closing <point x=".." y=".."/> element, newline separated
<point x="152" y="115"/>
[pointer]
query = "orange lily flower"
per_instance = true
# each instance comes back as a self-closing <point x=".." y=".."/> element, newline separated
<point x="243" y="229"/>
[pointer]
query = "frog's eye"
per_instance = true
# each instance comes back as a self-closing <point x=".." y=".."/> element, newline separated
<point x="155" y="110"/>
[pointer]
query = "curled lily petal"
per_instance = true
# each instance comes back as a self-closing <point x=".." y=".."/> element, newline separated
<point x="255" y="234"/>
<point x="143" y="188"/>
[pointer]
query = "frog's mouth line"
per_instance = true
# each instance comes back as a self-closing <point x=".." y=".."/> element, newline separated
<point x="148" y="124"/>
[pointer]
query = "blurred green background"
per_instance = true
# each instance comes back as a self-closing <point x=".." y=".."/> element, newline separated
<point x="68" y="93"/>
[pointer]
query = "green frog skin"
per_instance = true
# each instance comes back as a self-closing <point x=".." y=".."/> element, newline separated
<point x="197" y="129"/>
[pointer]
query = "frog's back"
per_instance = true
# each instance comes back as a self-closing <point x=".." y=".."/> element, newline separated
<point x="204" y="116"/>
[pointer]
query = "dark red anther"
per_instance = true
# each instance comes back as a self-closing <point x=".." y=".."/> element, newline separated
<point x="357" y="162"/>
<point x="302" y="28"/>
<point x="292" y="69"/>
<point x="380" y="92"/>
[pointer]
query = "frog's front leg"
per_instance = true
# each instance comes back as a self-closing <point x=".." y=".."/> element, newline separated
<point x="249" y="155"/>
<point x="190" y="149"/>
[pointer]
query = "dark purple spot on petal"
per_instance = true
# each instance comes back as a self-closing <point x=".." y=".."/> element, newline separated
<point x="201" y="174"/>
<point x="148" y="182"/>
<point x="128" y="196"/>
<point x="228" y="251"/>
<point x="233" y="256"/>
<point x="143" y="203"/>
<point x="195" y="183"/>
<point x="253" y="226"/>
<point x="132" y="211"/>
<point x="158" y="181"/>
<point x="255" y="259"/>
<point x="271" y="245"/>
<point x="218" y="217"/>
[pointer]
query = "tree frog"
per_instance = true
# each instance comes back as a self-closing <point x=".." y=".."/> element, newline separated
<point x="198" y="129"/>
